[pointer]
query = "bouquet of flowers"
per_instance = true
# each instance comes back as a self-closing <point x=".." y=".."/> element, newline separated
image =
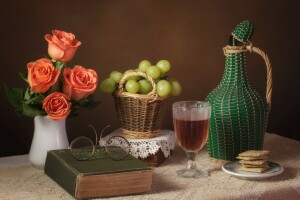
<point x="53" y="88"/>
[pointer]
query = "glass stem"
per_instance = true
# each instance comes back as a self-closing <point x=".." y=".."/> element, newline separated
<point x="191" y="160"/>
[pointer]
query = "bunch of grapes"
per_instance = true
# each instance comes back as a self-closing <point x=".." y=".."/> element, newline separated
<point x="140" y="85"/>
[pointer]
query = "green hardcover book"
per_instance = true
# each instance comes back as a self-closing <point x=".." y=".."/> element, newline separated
<point x="98" y="177"/>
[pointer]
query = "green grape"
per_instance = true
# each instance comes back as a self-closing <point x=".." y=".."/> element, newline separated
<point x="163" y="75"/>
<point x="143" y="66"/>
<point x="108" y="85"/>
<point x="145" y="86"/>
<point x="163" y="88"/>
<point x="164" y="66"/>
<point x="153" y="72"/>
<point x="116" y="76"/>
<point x="132" y="77"/>
<point x="132" y="86"/>
<point x="176" y="88"/>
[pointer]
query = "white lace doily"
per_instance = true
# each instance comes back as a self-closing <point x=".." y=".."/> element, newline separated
<point x="143" y="148"/>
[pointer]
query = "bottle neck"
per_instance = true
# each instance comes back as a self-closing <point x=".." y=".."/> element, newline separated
<point x="235" y="64"/>
<point x="235" y="69"/>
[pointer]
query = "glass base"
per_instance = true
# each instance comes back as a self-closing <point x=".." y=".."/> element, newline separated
<point x="192" y="173"/>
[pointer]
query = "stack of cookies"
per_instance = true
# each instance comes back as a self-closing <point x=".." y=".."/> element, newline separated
<point x="254" y="161"/>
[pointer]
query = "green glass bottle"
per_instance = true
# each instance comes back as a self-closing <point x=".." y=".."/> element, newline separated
<point x="239" y="113"/>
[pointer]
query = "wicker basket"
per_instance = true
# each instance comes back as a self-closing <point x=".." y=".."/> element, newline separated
<point x="140" y="116"/>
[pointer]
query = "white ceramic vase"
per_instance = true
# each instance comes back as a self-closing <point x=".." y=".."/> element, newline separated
<point x="48" y="135"/>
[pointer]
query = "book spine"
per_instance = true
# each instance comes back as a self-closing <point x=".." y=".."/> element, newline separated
<point x="59" y="171"/>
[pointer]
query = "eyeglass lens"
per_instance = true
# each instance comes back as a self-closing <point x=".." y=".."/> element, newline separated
<point x="117" y="147"/>
<point x="82" y="148"/>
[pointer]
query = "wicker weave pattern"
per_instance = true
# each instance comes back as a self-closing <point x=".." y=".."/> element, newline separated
<point x="140" y="116"/>
<point x="243" y="31"/>
<point x="239" y="113"/>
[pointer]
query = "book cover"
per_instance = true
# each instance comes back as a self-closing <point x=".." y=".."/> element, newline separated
<point x="98" y="177"/>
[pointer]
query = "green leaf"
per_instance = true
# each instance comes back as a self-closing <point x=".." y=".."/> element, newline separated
<point x="59" y="65"/>
<point x="86" y="103"/>
<point x="33" y="104"/>
<point x="14" y="96"/>
<point x="19" y="111"/>
<point x="38" y="99"/>
<point x="23" y="77"/>
<point x="32" y="111"/>
<point x="27" y="94"/>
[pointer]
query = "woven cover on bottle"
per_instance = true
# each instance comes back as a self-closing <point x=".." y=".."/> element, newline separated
<point x="239" y="113"/>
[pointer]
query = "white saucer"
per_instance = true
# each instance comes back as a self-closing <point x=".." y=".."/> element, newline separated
<point x="233" y="168"/>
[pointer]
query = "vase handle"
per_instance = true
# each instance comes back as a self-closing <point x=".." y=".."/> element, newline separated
<point x="250" y="48"/>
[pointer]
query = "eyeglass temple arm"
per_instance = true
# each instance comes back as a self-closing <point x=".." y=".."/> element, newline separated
<point x="95" y="131"/>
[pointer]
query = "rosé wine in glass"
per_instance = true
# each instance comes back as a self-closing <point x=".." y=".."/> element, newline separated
<point x="191" y="127"/>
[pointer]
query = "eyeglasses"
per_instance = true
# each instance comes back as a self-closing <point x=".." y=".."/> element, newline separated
<point x="116" y="147"/>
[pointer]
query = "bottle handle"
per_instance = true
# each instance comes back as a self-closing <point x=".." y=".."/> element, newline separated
<point x="251" y="48"/>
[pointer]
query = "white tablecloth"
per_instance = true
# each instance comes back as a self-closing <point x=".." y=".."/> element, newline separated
<point x="19" y="180"/>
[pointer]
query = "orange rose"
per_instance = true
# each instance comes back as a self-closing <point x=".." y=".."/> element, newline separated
<point x="41" y="75"/>
<point x="62" y="45"/>
<point x="57" y="105"/>
<point x="79" y="82"/>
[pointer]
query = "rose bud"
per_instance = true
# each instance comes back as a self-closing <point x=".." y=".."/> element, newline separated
<point x="62" y="45"/>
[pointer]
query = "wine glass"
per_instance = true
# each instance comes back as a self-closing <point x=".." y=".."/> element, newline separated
<point x="191" y="127"/>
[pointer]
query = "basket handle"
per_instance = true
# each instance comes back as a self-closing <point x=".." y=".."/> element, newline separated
<point x="251" y="48"/>
<point x="142" y="74"/>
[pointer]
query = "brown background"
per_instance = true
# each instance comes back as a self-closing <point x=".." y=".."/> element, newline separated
<point x="116" y="35"/>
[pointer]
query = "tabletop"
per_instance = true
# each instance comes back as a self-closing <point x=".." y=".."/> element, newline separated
<point x="19" y="180"/>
